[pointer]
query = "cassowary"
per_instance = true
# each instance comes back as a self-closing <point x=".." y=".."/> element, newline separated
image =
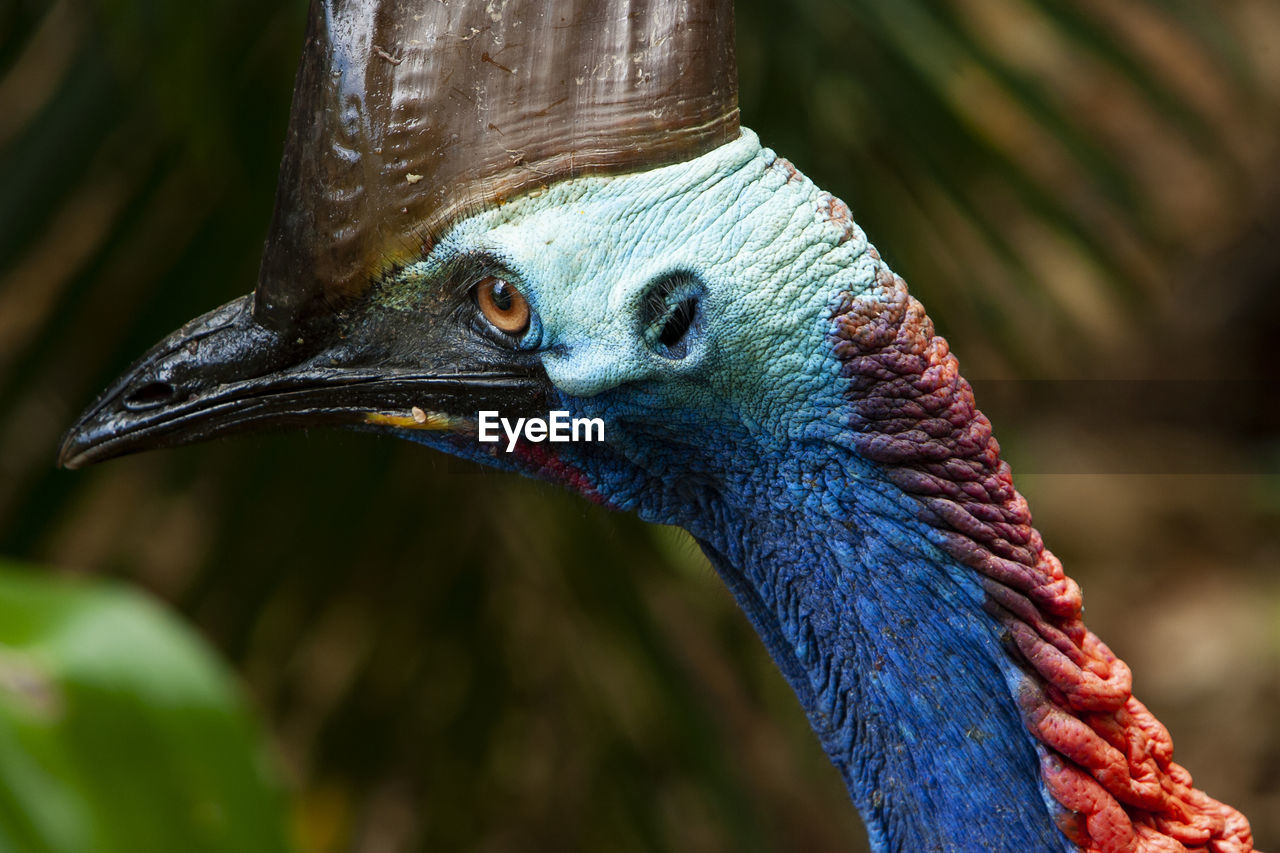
<point x="485" y="209"/>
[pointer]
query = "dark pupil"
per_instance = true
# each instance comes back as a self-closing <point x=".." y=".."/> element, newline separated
<point x="502" y="296"/>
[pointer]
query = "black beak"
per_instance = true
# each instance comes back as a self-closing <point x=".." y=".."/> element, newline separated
<point x="225" y="372"/>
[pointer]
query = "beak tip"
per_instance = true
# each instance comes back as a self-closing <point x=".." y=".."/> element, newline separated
<point x="72" y="454"/>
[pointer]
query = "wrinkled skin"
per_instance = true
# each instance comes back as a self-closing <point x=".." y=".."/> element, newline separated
<point x="588" y="254"/>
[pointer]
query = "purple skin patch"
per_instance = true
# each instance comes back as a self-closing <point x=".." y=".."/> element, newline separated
<point x="1108" y="761"/>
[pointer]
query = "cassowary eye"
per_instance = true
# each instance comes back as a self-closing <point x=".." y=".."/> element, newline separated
<point x="502" y="305"/>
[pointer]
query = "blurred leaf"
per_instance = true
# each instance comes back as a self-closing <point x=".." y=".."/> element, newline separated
<point x="120" y="732"/>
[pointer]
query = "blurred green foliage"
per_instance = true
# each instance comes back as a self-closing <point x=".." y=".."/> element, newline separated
<point x="454" y="660"/>
<point x="120" y="732"/>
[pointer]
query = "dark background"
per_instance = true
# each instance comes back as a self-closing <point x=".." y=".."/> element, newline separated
<point x="1084" y="194"/>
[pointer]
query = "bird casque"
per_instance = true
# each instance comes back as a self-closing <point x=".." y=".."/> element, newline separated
<point x="528" y="207"/>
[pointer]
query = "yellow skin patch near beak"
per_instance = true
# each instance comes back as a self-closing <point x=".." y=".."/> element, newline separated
<point x="417" y="419"/>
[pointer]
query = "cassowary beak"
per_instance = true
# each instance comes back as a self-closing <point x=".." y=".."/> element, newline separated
<point x="225" y="372"/>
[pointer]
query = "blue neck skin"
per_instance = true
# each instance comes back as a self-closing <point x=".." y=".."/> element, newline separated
<point x="881" y="634"/>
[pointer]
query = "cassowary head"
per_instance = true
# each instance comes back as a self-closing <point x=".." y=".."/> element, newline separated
<point x="559" y="244"/>
<point x="625" y="298"/>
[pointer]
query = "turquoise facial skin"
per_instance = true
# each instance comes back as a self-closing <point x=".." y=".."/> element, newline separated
<point x="740" y="219"/>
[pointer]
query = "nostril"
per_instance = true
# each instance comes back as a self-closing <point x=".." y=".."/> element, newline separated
<point x="150" y="396"/>
<point x="677" y="323"/>
<point x="670" y="311"/>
